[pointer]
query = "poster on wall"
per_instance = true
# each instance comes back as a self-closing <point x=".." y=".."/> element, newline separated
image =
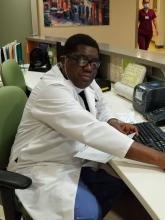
<point x="75" y="12"/>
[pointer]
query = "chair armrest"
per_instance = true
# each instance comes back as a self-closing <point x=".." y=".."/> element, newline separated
<point x="13" y="180"/>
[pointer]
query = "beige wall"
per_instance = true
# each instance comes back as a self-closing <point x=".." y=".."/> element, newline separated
<point x="120" y="33"/>
<point x="160" y="39"/>
<point x="15" y="21"/>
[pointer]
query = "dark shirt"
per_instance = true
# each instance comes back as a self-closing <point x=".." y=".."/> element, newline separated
<point x="145" y="21"/>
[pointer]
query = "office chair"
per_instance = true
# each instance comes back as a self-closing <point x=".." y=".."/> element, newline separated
<point x="39" y="60"/>
<point x="12" y="75"/>
<point x="12" y="102"/>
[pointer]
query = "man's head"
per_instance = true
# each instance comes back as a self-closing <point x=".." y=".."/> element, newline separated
<point x="146" y="3"/>
<point x="81" y="60"/>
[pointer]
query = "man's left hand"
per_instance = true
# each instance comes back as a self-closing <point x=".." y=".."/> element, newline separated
<point x="123" y="127"/>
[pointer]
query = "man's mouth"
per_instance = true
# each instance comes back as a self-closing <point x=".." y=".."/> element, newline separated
<point x="85" y="77"/>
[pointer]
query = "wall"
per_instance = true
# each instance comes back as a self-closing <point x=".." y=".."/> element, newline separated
<point x="15" y="21"/>
<point x="160" y="39"/>
<point x="120" y="33"/>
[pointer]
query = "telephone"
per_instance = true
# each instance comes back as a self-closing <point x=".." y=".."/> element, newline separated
<point x="156" y="116"/>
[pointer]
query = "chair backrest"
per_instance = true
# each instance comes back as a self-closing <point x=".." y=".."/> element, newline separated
<point x="39" y="60"/>
<point x="12" y="75"/>
<point x="0" y="75"/>
<point x="12" y="102"/>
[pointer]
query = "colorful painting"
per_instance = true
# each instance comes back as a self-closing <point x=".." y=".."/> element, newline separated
<point x="75" y="12"/>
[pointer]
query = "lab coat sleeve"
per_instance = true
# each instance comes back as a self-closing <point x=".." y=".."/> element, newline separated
<point x="103" y="112"/>
<point x="57" y="107"/>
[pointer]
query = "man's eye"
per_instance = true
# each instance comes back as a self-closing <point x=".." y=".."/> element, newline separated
<point x="83" y="61"/>
<point x="82" y="57"/>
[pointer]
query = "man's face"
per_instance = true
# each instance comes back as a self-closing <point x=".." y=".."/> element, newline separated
<point x="81" y="66"/>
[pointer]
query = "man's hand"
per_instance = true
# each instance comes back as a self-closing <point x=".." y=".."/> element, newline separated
<point x="123" y="127"/>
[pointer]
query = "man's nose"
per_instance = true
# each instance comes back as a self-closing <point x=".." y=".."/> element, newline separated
<point x="88" y="67"/>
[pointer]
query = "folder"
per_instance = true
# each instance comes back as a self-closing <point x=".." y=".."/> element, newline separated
<point x="7" y="51"/>
<point x="12" y="50"/>
<point x="18" y="53"/>
<point x="4" y="52"/>
<point x="11" y="55"/>
<point x="2" y="56"/>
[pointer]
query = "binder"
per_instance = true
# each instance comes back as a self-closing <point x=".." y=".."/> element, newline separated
<point x="2" y="56"/>
<point x="18" y="53"/>
<point x="11" y="55"/>
<point x="4" y="52"/>
<point x="18" y="48"/>
<point x="9" y="51"/>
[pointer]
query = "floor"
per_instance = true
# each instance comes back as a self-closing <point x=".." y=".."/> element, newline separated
<point x="128" y="208"/>
<point x="154" y="49"/>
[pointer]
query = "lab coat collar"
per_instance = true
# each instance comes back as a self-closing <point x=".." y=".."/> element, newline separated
<point x="89" y="92"/>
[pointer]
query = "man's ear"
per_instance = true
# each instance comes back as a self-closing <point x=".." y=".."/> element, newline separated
<point x="62" y="59"/>
<point x="62" y="65"/>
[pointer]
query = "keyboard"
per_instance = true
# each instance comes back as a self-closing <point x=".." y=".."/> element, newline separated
<point x="150" y="135"/>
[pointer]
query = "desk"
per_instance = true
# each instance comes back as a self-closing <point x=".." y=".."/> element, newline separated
<point x="147" y="182"/>
<point x="134" y="55"/>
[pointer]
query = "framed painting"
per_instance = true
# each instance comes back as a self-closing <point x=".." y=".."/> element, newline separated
<point x="75" y="12"/>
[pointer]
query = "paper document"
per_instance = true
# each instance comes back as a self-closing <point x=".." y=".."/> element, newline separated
<point x="90" y="153"/>
<point x="126" y="117"/>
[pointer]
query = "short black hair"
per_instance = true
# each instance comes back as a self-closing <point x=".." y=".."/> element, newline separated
<point x="144" y="1"/>
<point x="79" y="39"/>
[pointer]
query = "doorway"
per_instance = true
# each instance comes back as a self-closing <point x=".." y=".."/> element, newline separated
<point x="157" y="41"/>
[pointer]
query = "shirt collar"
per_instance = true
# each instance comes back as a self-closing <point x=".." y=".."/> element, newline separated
<point x="78" y="90"/>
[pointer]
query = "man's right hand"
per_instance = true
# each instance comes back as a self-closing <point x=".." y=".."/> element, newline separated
<point x="142" y="153"/>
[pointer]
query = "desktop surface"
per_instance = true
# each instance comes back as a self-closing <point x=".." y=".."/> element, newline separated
<point x="144" y="180"/>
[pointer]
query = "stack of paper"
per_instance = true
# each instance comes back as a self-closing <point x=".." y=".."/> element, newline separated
<point x="90" y="153"/>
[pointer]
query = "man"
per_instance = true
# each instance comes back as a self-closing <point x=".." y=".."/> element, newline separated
<point x="57" y="123"/>
<point x="147" y="19"/>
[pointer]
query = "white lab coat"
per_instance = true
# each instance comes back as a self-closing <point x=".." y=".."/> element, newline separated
<point x="54" y="127"/>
